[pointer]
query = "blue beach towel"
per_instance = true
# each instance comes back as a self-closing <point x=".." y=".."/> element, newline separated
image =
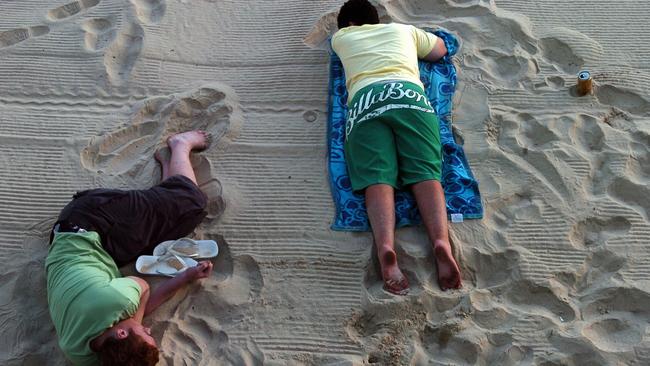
<point x="461" y="189"/>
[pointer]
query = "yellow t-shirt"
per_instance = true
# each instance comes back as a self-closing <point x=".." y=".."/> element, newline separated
<point x="375" y="52"/>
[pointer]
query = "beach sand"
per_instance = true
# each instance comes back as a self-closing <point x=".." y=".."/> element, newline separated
<point x="555" y="274"/>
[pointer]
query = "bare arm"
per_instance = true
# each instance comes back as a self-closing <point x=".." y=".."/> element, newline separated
<point x="168" y="288"/>
<point x="439" y="51"/>
<point x="144" y="297"/>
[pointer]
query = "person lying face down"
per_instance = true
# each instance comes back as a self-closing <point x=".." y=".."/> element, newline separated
<point x="97" y="313"/>
<point x="392" y="138"/>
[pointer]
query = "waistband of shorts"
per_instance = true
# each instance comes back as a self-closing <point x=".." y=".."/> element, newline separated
<point x="388" y="95"/>
<point x="382" y="84"/>
<point x="65" y="226"/>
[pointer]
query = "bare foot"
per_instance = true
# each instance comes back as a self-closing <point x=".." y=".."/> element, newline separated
<point x="394" y="280"/>
<point x="194" y="140"/>
<point x="162" y="156"/>
<point x="448" y="271"/>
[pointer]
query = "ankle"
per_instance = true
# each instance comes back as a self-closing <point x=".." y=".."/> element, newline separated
<point x="388" y="258"/>
<point x="176" y="144"/>
<point x="181" y="147"/>
<point x="441" y="247"/>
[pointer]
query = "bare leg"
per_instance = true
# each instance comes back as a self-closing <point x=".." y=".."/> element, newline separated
<point x="380" y="203"/>
<point x="181" y="145"/>
<point x="431" y="202"/>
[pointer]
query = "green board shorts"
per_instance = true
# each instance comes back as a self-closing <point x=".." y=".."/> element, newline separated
<point x="392" y="136"/>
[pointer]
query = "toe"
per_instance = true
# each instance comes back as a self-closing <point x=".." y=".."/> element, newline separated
<point x="397" y="287"/>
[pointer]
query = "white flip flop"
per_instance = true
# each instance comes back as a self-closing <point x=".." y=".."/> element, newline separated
<point x="167" y="265"/>
<point x="189" y="248"/>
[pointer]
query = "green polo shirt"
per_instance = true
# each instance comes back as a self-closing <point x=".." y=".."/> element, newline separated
<point x="86" y="293"/>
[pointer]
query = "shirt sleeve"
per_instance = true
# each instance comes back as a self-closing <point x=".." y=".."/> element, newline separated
<point x="131" y="290"/>
<point x="333" y="41"/>
<point x="424" y="41"/>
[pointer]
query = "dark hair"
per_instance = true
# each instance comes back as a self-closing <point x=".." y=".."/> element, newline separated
<point x="359" y="12"/>
<point x="130" y="351"/>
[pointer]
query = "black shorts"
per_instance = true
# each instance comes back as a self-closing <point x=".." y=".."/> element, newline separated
<point x="131" y="223"/>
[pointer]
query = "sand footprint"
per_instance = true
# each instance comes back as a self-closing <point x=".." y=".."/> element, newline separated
<point x="149" y="11"/>
<point x="126" y="155"/>
<point x="573" y="350"/>
<point x="600" y="267"/>
<point x="70" y="9"/>
<point x="489" y="315"/>
<point x="596" y="231"/>
<point x="195" y="335"/>
<point x="115" y="153"/>
<point x="448" y="344"/>
<point x="636" y="195"/>
<point x="631" y="100"/>
<point x="616" y="323"/>
<point x="503" y="68"/>
<point x="122" y="54"/>
<point x="99" y="33"/>
<point x="15" y="36"/>
<point x="585" y="131"/>
<point x="568" y="50"/>
<point x="541" y="299"/>
<point x="533" y="134"/>
<point x="614" y="334"/>
<point x="480" y="265"/>
<point x="526" y="143"/>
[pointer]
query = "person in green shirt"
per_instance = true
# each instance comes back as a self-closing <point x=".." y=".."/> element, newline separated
<point x="392" y="137"/>
<point x="97" y="313"/>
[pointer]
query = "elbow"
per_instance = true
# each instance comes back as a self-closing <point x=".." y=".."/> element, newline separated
<point x="145" y="287"/>
<point x="443" y="49"/>
<point x="439" y="51"/>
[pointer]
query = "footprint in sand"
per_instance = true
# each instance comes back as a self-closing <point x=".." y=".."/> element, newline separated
<point x="480" y="265"/>
<point x="560" y="54"/>
<point x="599" y="267"/>
<point x="15" y="36"/>
<point x="629" y="100"/>
<point x="149" y="11"/>
<point x="540" y="299"/>
<point x="596" y="231"/>
<point x="488" y="314"/>
<point x="117" y="152"/>
<point x="615" y="319"/>
<point x="122" y="54"/>
<point x="204" y="321"/>
<point x="571" y="350"/>
<point x="616" y="302"/>
<point x="614" y="334"/>
<point x="124" y="158"/>
<point x="569" y="50"/>
<point x="636" y="195"/>
<point x="212" y="108"/>
<point x="70" y="9"/>
<point x="585" y="131"/>
<point x="99" y="33"/>
<point x="504" y="68"/>
<point x="446" y="344"/>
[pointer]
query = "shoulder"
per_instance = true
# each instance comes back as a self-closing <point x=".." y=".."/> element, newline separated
<point x="402" y="27"/>
<point x="343" y="36"/>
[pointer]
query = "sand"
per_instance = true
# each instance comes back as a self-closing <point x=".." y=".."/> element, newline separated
<point x="555" y="274"/>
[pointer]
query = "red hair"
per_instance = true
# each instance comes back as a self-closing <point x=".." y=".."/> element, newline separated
<point x="130" y="351"/>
